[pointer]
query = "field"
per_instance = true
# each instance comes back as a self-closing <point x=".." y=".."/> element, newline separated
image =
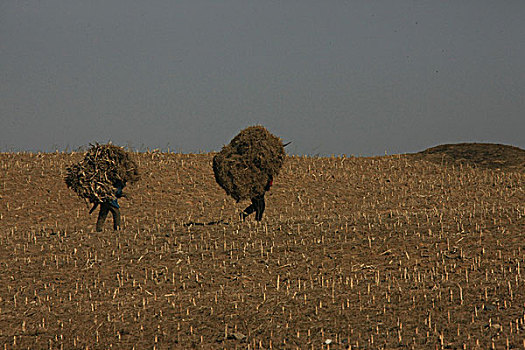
<point x="420" y="251"/>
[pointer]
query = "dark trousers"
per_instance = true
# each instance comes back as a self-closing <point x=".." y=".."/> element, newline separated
<point x="257" y="206"/>
<point x="105" y="208"/>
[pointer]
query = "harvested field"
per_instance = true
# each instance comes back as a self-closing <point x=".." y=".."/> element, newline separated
<point x="367" y="253"/>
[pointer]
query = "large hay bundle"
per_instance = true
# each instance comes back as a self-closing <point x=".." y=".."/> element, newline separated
<point x="244" y="166"/>
<point x="93" y="178"/>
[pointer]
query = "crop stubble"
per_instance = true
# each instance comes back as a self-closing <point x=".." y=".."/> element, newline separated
<point x="384" y="252"/>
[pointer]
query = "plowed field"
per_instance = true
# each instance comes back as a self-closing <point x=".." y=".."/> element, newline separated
<point x="405" y="251"/>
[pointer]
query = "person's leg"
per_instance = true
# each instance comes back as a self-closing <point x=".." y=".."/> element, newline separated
<point x="259" y="208"/>
<point x="102" y="215"/>
<point x="250" y="209"/>
<point x="116" y="217"/>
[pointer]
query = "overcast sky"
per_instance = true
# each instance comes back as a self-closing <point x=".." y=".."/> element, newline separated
<point x="333" y="77"/>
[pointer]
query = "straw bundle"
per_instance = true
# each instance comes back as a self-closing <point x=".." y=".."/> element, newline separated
<point x="244" y="166"/>
<point x="94" y="177"/>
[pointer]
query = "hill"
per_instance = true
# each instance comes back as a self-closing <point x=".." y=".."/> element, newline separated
<point x="484" y="155"/>
<point x="382" y="252"/>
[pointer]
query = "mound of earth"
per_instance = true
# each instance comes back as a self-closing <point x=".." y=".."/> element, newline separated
<point x="484" y="155"/>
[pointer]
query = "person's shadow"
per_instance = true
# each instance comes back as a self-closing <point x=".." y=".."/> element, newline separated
<point x="193" y="223"/>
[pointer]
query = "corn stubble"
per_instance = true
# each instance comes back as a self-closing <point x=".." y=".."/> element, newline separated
<point x="380" y="252"/>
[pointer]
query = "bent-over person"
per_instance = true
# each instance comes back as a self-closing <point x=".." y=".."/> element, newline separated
<point x="258" y="204"/>
<point x="246" y="167"/>
<point x="110" y="206"/>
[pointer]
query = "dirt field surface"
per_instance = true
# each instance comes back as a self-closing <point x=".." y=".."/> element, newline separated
<point x="482" y="155"/>
<point x="387" y="252"/>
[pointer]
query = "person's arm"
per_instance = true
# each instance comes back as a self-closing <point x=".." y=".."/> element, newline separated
<point x="118" y="192"/>
<point x="269" y="184"/>
<point x="95" y="205"/>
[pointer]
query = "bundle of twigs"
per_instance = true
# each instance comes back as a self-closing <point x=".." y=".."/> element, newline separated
<point x="244" y="166"/>
<point x="94" y="178"/>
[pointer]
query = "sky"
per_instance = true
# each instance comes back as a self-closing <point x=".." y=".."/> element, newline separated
<point x="354" y="77"/>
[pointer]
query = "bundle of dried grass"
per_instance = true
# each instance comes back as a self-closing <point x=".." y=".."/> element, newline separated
<point x="244" y="166"/>
<point x="94" y="177"/>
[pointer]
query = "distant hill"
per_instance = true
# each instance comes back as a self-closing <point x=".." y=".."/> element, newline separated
<point x="483" y="155"/>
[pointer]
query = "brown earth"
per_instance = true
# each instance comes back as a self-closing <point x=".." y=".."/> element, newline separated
<point x="482" y="155"/>
<point x="367" y="253"/>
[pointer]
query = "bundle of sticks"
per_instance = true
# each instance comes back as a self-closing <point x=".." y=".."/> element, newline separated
<point x="94" y="178"/>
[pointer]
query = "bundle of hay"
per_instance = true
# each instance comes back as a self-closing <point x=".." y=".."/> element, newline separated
<point x="93" y="178"/>
<point x="244" y="166"/>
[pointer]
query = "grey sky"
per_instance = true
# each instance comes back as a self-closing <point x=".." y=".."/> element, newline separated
<point x="352" y="77"/>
